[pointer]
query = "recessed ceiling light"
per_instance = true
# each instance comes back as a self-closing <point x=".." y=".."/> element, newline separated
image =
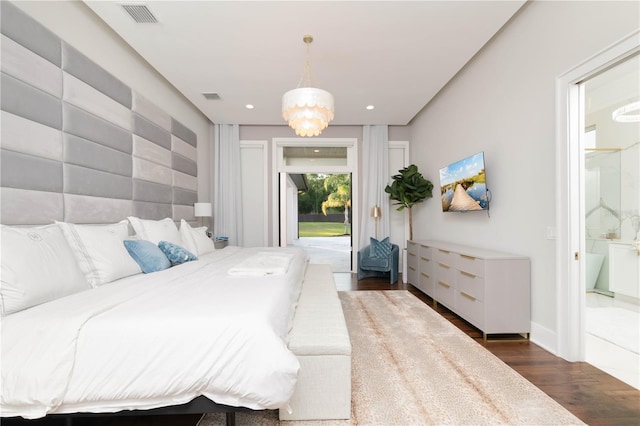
<point x="249" y="106"/>
<point x="370" y="107"/>
<point x="316" y="150"/>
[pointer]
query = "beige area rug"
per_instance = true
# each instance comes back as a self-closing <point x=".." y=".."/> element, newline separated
<point x="413" y="367"/>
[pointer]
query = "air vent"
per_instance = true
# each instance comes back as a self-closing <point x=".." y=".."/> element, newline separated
<point x="211" y="96"/>
<point x="140" y="13"/>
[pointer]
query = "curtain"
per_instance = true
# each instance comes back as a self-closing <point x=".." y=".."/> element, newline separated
<point x="227" y="184"/>
<point x="375" y="173"/>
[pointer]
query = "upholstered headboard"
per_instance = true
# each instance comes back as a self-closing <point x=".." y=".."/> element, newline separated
<point x="78" y="145"/>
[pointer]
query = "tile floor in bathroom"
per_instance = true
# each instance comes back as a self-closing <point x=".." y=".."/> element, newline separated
<point x="613" y="337"/>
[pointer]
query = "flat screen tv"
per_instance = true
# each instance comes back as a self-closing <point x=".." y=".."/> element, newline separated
<point x="463" y="186"/>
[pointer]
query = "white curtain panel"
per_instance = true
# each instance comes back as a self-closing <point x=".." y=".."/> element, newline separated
<point x="227" y="184"/>
<point x="375" y="162"/>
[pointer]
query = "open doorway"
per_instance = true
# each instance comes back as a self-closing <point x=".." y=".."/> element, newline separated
<point x="585" y="155"/>
<point x="329" y="164"/>
<point x="324" y="218"/>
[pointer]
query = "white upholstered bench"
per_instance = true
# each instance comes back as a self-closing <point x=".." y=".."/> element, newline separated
<point x="320" y="340"/>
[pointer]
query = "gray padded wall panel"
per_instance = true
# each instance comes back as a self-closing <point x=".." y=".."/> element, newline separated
<point x="85" y="153"/>
<point x="79" y="65"/>
<point x="83" y="181"/>
<point x="25" y="207"/>
<point x="28" y="137"/>
<point x="184" y="165"/>
<point x="87" y="98"/>
<point x="151" y="131"/>
<point x="88" y="126"/>
<point x="152" y="192"/>
<point x="152" y="210"/>
<point x="150" y="111"/>
<point x="68" y="126"/>
<point x="86" y="209"/>
<point x="184" y="197"/>
<point x="186" y="213"/>
<point x="183" y="133"/>
<point x="25" y="30"/>
<point x="26" y="101"/>
<point x="29" y="67"/>
<point x="29" y="172"/>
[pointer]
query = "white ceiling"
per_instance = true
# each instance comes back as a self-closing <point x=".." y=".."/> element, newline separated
<point x="395" y="55"/>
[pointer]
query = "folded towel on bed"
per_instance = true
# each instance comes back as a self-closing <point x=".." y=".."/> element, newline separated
<point x="263" y="263"/>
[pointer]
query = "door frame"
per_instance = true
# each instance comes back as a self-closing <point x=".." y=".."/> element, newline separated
<point x="570" y="242"/>
<point x="279" y="166"/>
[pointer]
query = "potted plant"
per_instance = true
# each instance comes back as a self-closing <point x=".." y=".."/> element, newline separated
<point x="409" y="188"/>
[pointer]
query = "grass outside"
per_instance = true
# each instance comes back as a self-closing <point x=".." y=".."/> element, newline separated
<point x="321" y="229"/>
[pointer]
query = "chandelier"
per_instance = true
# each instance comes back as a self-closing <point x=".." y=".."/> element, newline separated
<point x="622" y="114"/>
<point x="308" y="110"/>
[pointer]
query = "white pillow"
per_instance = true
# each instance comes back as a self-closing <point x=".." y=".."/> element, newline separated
<point x="100" y="251"/>
<point x="36" y="266"/>
<point x="156" y="230"/>
<point x="195" y="239"/>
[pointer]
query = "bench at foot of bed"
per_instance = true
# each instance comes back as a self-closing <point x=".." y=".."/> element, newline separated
<point x="320" y="340"/>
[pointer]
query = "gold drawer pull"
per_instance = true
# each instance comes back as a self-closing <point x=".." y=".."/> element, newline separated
<point x="423" y="274"/>
<point x="442" y="283"/>
<point x="412" y="268"/>
<point x="444" y="251"/>
<point x="444" y="265"/>
<point x="468" y="274"/>
<point x="425" y="258"/>
<point x="468" y="257"/>
<point x="468" y="296"/>
<point x="412" y="254"/>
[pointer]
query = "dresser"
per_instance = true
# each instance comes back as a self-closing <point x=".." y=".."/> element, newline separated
<point x="489" y="289"/>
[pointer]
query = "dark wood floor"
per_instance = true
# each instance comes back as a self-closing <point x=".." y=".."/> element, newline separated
<point x="590" y="394"/>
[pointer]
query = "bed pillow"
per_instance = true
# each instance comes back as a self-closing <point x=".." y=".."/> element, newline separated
<point x="380" y="249"/>
<point x="99" y="251"/>
<point x="156" y="230"/>
<point x="148" y="255"/>
<point x="36" y="266"/>
<point x="175" y="253"/>
<point x="195" y="239"/>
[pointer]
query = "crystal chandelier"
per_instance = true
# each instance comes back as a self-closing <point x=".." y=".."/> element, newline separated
<point x="308" y="110"/>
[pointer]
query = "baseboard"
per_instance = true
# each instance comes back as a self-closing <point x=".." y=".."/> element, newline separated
<point x="544" y="337"/>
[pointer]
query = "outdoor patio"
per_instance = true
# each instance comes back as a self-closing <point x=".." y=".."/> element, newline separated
<point x="335" y="251"/>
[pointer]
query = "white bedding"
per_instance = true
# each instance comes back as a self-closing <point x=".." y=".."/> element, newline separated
<point x="154" y="340"/>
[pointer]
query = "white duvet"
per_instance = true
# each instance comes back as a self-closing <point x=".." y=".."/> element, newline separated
<point x="155" y="340"/>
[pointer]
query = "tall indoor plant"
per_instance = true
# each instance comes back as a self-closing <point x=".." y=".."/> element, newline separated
<point x="409" y="188"/>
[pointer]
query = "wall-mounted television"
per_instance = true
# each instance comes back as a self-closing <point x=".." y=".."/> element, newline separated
<point x="463" y="185"/>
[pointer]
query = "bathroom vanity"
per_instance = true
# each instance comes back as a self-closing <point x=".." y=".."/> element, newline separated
<point x="624" y="269"/>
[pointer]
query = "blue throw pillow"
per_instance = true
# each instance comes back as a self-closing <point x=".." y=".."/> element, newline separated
<point x="175" y="253"/>
<point x="380" y="249"/>
<point x="147" y="255"/>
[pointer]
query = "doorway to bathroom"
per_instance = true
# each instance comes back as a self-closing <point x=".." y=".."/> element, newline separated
<point x="610" y="169"/>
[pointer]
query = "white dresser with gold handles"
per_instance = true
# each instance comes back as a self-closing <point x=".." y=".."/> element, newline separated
<point x="489" y="289"/>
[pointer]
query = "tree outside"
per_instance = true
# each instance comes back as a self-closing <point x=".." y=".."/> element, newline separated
<point x="326" y="195"/>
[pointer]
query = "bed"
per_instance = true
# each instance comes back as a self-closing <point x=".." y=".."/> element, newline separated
<point x="215" y="327"/>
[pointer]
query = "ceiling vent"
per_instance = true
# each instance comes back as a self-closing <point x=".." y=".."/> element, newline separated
<point x="140" y="13"/>
<point x="211" y="96"/>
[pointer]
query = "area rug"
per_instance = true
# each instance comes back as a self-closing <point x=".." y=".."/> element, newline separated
<point x="413" y="367"/>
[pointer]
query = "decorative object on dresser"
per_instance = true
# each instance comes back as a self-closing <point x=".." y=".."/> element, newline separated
<point x="489" y="289"/>
<point x="409" y="188"/>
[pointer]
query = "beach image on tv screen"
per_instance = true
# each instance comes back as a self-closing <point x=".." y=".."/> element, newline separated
<point x="463" y="186"/>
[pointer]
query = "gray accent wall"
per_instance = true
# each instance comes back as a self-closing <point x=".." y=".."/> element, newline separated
<point x="78" y="144"/>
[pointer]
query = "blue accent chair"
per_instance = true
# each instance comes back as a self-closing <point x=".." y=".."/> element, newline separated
<point x="369" y="266"/>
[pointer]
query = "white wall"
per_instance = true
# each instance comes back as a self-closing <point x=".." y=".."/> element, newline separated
<point x="76" y="24"/>
<point x="502" y="103"/>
